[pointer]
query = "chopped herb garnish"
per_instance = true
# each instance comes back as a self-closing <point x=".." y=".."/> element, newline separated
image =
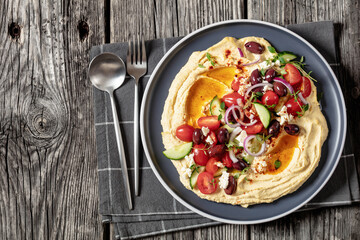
<point x="277" y="164"/>
<point x="246" y="179"/>
<point x="304" y="108"/>
<point x="283" y="72"/>
<point x="270" y="106"/>
<point x="271" y="49"/>
<point x="201" y="66"/>
<point x="262" y="138"/>
<point x="300" y="66"/>
<point x="258" y="94"/>
<point x="236" y="175"/>
<point x="210" y="58"/>
<point x="244" y="171"/>
<point x="295" y="95"/>
<point x="220" y="117"/>
<point x="282" y="60"/>
<point x="262" y="71"/>
<point x="222" y="105"/>
<point x="213" y="182"/>
<point x="302" y="59"/>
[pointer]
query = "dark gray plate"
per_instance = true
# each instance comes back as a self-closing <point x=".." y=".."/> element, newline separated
<point x="157" y="91"/>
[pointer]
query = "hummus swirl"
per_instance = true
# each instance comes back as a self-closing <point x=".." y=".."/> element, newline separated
<point x="189" y="97"/>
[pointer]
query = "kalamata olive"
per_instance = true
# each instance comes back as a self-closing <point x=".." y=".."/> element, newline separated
<point x="217" y="150"/>
<point x="231" y="188"/>
<point x="255" y="77"/>
<point x="223" y="135"/>
<point x="280" y="89"/>
<point x="254" y="47"/>
<point x="274" y="128"/>
<point x="269" y="75"/>
<point x="240" y="165"/>
<point x="292" y="129"/>
<point x="198" y="136"/>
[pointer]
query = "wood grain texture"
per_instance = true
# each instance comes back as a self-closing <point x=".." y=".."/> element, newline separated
<point x="48" y="177"/>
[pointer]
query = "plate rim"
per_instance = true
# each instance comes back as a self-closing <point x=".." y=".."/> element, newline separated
<point x="143" y="136"/>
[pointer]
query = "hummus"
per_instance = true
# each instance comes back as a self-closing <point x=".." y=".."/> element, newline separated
<point x="211" y="73"/>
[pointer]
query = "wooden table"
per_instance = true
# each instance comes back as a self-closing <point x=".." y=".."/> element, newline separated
<point x="48" y="167"/>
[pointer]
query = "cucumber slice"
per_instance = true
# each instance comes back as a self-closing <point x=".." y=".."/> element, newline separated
<point x="228" y="128"/>
<point x="194" y="176"/>
<point x="220" y="171"/>
<point x="178" y="152"/>
<point x="215" y="107"/>
<point x="287" y="56"/>
<point x="247" y="158"/>
<point x="264" y="114"/>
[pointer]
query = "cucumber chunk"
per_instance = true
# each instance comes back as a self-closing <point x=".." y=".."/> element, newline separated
<point x="194" y="176"/>
<point x="178" y="152"/>
<point x="215" y="107"/>
<point x="220" y="171"/>
<point x="264" y="114"/>
<point x="287" y="56"/>
<point x="247" y="158"/>
<point x="228" y="128"/>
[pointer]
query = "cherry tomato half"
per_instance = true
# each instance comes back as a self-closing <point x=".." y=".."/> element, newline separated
<point x="200" y="154"/>
<point x="270" y="98"/>
<point x="226" y="160"/>
<point x="293" y="106"/>
<point x="305" y="87"/>
<point x="210" y="122"/>
<point x="231" y="99"/>
<point x="184" y="132"/>
<point x="210" y="165"/>
<point x="293" y="75"/>
<point x="254" y="129"/>
<point x="235" y="85"/>
<point x="206" y="183"/>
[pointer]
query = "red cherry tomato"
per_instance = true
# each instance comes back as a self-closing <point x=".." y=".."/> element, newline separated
<point x="235" y="85"/>
<point x="184" y="132"/>
<point x="212" y="135"/>
<point x="293" y="75"/>
<point x="293" y="106"/>
<point x="231" y="99"/>
<point x="210" y="122"/>
<point x="200" y="154"/>
<point x="206" y="183"/>
<point x="210" y="165"/>
<point x="305" y="87"/>
<point x="254" y="129"/>
<point x="270" y="98"/>
<point x="226" y="160"/>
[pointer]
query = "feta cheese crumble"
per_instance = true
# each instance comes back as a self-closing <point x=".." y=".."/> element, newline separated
<point x="284" y="116"/>
<point x="190" y="159"/>
<point x="186" y="172"/>
<point x="240" y="138"/>
<point x="224" y="180"/>
<point x="267" y="88"/>
<point x="205" y="131"/>
<point x="277" y="63"/>
<point x="266" y="65"/>
<point x="219" y="164"/>
<point x="209" y="140"/>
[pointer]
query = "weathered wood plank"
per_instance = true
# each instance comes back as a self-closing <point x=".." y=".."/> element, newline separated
<point x="48" y="177"/>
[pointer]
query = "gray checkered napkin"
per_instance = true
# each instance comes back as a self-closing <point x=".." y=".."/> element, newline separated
<point x="156" y="211"/>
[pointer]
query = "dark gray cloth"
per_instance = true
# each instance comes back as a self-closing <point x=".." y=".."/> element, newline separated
<point x="155" y="210"/>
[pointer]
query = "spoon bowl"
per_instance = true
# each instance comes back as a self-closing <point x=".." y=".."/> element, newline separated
<point x="107" y="72"/>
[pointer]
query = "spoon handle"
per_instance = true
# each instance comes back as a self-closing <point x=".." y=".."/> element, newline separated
<point x="136" y="138"/>
<point x="121" y="150"/>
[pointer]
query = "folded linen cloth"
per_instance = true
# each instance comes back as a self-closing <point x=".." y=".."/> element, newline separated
<point x="155" y="210"/>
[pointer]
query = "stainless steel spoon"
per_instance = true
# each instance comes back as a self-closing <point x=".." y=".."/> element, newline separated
<point x="107" y="73"/>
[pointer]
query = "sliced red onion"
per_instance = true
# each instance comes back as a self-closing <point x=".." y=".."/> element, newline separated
<point x="235" y="115"/>
<point x="286" y="84"/>
<point x="235" y="133"/>
<point x="241" y="53"/>
<point x="303" y="99"/>
<point x="247" y="124"/>
<point x="256" y="86"/>
<point x="251" y="63"/>
<point x="246" y="143"/>
<point x="232" y="156"/>
<point x="227" y="117"/>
